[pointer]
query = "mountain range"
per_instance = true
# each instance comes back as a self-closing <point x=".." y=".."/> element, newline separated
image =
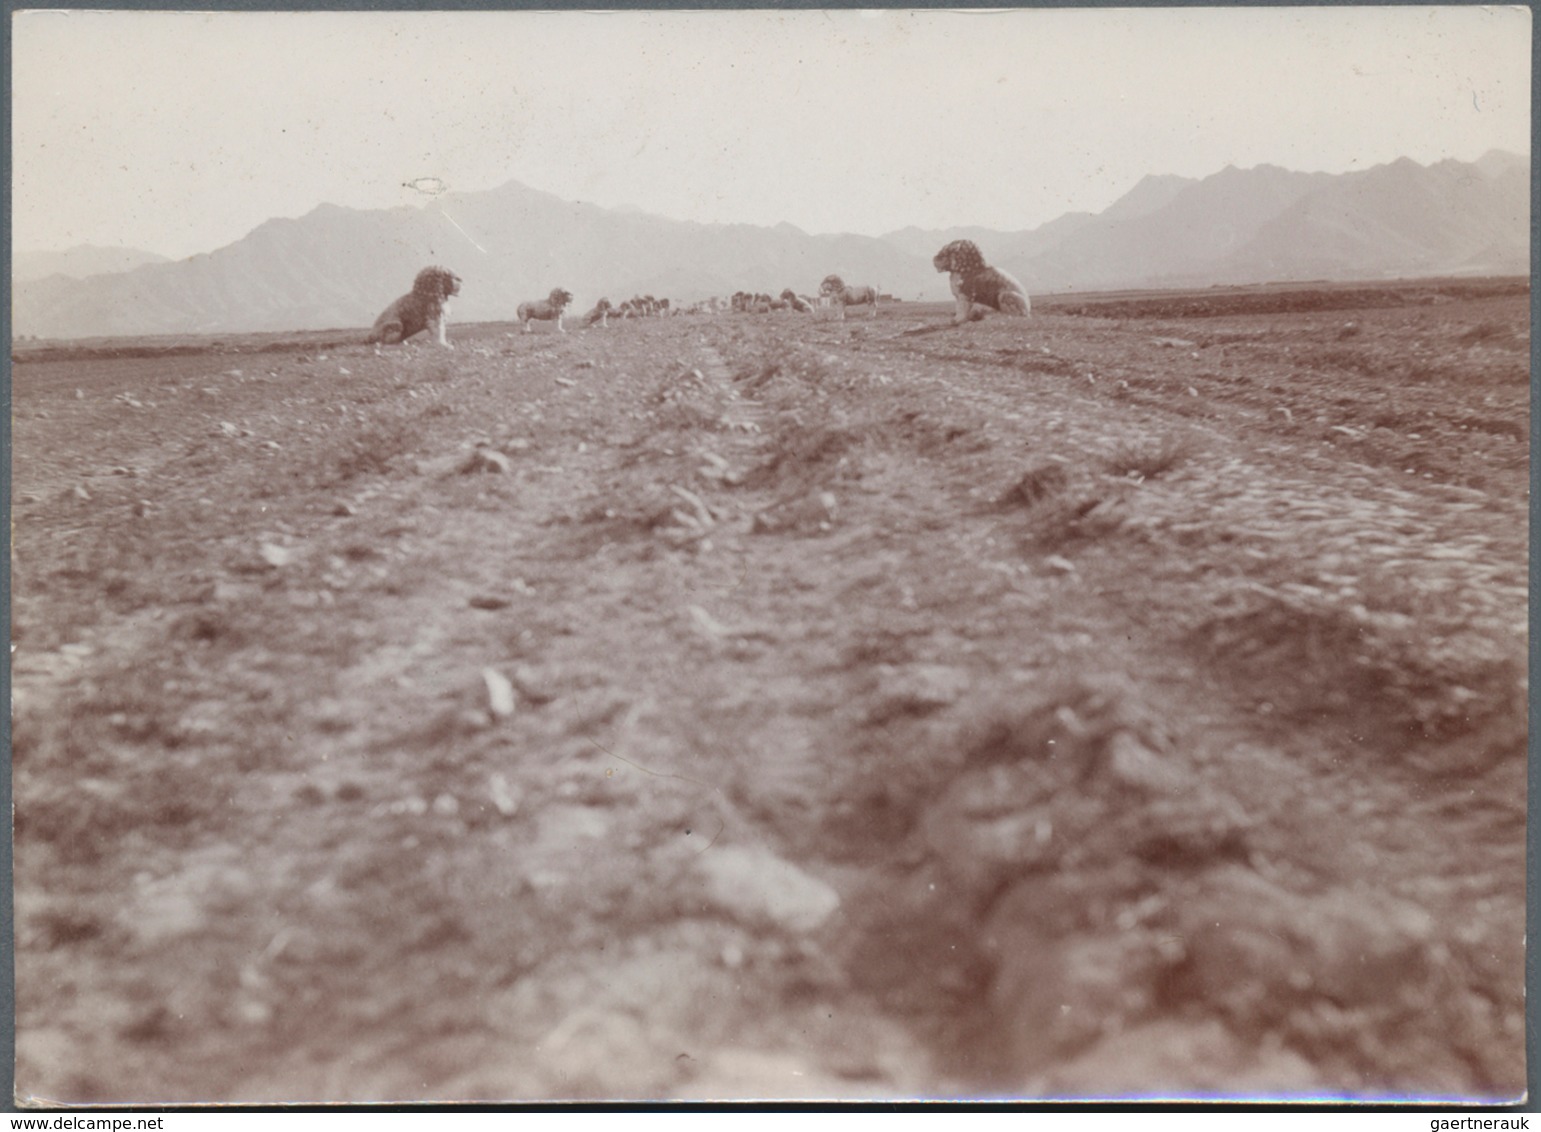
<point x="338" y="267"/>
<point x="80" y="262"/>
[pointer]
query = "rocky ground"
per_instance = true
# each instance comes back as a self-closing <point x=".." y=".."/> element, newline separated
<point x="1126" y="702"/>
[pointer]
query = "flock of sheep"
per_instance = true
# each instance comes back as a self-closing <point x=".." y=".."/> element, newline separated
<point x="832" y="292"/>
<point x="975" y="287"/>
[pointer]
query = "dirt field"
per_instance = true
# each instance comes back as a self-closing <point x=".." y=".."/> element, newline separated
<point x="1129" y="701"/>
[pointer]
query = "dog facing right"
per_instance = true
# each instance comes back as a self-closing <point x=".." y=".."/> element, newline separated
<point x="423" y="308"/>
<point x="600" y="314"/>
<point x="547" y="309"/>
<point x="975" y="282"/>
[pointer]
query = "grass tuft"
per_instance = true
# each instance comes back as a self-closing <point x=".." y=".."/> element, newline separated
<point x="1145" y="460"/>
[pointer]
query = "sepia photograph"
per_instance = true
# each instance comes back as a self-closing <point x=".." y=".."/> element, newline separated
<point x="770" y="555"/>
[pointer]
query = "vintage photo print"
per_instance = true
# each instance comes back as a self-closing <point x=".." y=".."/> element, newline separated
<point x="756" y="555"/>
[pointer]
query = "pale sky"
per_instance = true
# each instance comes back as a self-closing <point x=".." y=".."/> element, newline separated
<point x="180" y="132"/>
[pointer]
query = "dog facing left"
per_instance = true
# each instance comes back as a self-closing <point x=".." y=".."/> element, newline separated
<point x="976" y="285"/>
<point x="424" y="308"/>
<point x="835" y="289"/>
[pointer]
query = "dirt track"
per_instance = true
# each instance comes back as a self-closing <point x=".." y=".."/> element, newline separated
<point x="762" y="706"/>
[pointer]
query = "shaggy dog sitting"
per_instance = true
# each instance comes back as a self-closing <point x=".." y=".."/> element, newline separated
<point x="834" y="288"/>
<point x="551" y="307"/>
<point x="600" y="314"/>
<point x="975" y="283"/>
<point x="421" y="310"/>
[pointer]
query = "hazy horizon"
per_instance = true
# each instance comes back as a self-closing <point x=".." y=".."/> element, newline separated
<point x="851" y="122"/>
<point x="621" y="208"/>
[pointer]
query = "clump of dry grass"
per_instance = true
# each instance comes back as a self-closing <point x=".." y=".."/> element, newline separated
<point x="1038" y="483"/>
<point x="1031" y="363"/>
<point x="792" y="364"/>
<point x="799" y="455"/>
<point x="1066" y="503"/>
<point x="1147" y="459"/>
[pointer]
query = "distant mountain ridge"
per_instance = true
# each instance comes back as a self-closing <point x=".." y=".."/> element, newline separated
<point x="79" y="262"/>
<point x="338" y="267"/>
<point x="1270" y="224"/>
<point x="1404" y="219"/>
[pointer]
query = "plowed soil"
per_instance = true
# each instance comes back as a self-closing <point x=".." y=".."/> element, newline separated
<point x="1128" y="701"/>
